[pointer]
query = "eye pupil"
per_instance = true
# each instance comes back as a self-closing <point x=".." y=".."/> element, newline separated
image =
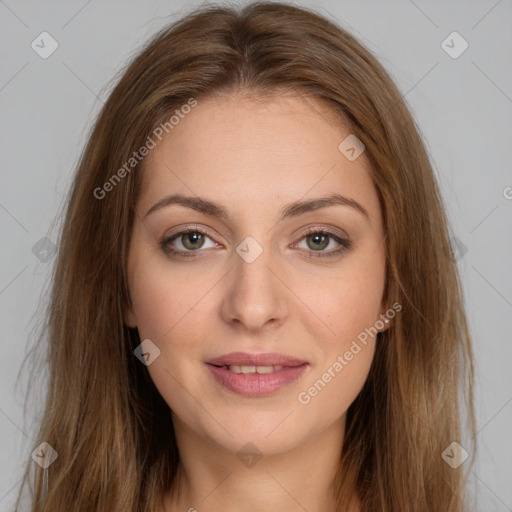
<point x="194" y="235"/>
<point x="317" y="237"/>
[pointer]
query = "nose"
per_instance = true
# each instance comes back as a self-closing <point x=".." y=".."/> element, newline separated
<point x="256" y="296"/>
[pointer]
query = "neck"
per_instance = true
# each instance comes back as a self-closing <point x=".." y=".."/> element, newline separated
<point x="211" y="478"/>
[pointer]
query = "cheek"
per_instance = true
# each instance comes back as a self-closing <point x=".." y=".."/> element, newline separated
<point x="166" y="306"/>
<point x="349" y="305"/>
<point x="330" y="391"/>
<point x="164" y="298"/>
<point x="349" y="301"/>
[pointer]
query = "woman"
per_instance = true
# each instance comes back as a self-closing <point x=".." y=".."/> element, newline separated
<point x="256" y="304"/>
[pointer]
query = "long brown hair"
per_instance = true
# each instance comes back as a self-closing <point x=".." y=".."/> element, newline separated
<point x="104" y="417"/>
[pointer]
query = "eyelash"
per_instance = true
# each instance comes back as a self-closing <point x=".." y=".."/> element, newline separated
<point x="345" y="244"/>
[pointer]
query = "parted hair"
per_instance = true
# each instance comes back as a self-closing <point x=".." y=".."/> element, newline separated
<point x="103" y="415"/>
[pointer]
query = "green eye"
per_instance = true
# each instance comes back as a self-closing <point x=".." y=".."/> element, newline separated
<point x="193" y="240"/>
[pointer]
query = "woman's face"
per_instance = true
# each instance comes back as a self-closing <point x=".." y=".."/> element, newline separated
<point x="258" y="279"/>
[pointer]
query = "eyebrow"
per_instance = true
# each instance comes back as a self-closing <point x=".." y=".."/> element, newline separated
<point x="295" y="209"/>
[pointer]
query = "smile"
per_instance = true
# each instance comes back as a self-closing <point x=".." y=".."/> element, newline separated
<point x="253" y="369"/>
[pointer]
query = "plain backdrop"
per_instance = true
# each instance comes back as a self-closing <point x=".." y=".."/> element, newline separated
<point x="461" y="100"/>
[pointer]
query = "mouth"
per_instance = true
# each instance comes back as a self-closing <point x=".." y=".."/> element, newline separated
<point x="250" y="369"/>
<point x="256" y="375"/>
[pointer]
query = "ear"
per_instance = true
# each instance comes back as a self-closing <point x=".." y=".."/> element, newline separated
<point x="129" y="318"/>
<point x="385" y="320"/>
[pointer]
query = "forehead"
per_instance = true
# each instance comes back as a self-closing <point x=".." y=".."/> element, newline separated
<point x="252" y="147"/>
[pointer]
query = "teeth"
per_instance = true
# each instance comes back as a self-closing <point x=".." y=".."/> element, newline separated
<point x="254" y="369"/>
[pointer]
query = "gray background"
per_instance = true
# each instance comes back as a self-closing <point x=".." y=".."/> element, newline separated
<point x="463" y="107"/>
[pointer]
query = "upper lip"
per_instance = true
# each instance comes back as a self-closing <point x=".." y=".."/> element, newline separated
<point x="246" y="359"/>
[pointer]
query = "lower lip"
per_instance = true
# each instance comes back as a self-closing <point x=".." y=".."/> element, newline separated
<point x="254" y="384"/>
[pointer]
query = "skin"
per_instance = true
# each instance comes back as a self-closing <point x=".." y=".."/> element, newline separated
<point x="254" y="157"/>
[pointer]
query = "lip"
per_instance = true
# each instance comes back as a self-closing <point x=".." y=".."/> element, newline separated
<point x="246" y="359"/>
<point x="254" y="384"/>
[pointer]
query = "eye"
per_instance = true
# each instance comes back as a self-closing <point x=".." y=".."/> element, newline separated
<point x="192" y="239"/>
<point x="317" y="240"/>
